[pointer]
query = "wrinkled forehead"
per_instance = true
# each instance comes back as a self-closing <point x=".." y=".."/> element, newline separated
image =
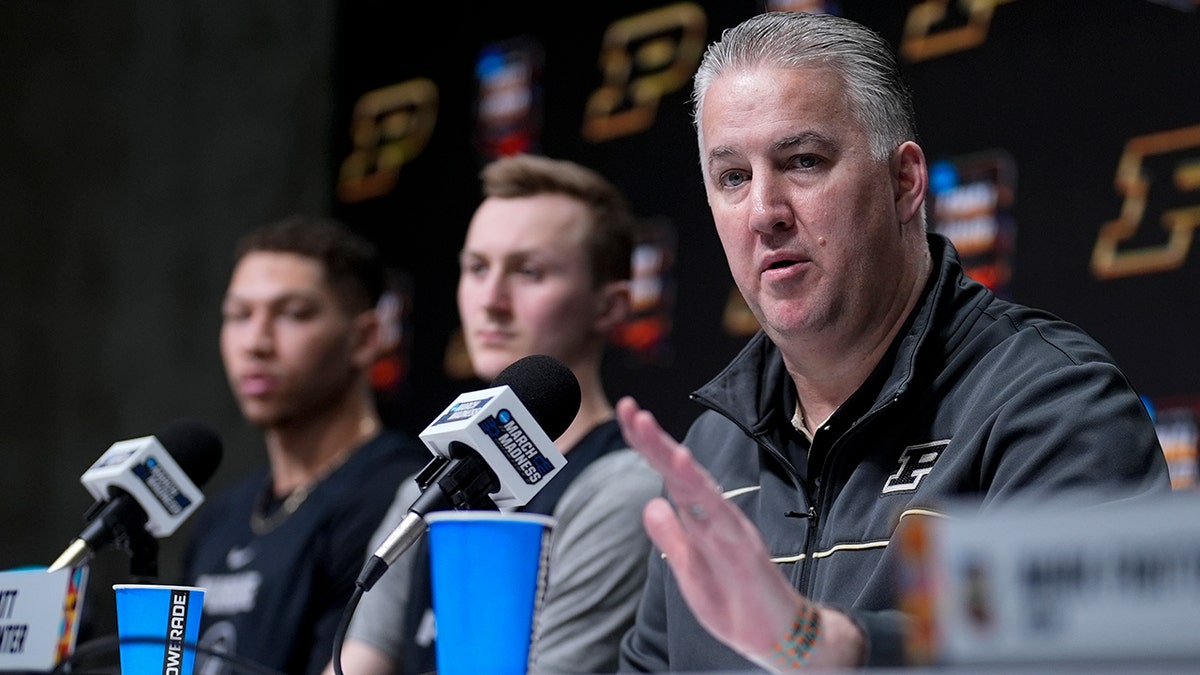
<point x="762" y="107"/>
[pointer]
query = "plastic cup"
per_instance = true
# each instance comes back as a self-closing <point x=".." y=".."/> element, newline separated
<point x="488" y="570"/>
<point x="158" y="627"/>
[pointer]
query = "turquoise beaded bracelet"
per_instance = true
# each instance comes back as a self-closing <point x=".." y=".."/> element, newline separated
<point x="793" y="649"/>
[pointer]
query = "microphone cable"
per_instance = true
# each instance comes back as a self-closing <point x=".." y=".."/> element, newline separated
<point x="343" y="626"/>
<point x="82" y="660"/>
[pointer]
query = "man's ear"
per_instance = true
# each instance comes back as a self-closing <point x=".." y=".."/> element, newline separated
<point x="910" y="178"/>
<point x="614" y="306"/>
<point x="367" y="338"/>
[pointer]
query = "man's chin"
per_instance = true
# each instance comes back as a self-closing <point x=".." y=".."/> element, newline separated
<point x="257" y="416"/>
<point x="492" y="362"/>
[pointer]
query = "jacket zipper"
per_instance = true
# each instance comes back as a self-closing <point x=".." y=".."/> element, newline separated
<point x="809" y="513"/>
<point x="823" y="477"/>
<point x="812" y="497"/>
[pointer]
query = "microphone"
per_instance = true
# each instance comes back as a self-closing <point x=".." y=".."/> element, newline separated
<point x="148" y="484"/>
<point x="492" y="449"/>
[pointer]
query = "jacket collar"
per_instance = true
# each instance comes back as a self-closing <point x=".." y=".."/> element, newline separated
<point x="750" y="390"/>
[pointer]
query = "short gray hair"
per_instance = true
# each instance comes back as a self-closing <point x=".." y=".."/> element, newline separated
<point x="875" y="87"/>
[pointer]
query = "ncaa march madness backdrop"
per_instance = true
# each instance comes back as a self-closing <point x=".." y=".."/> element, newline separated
<point x="1063" y="139"/>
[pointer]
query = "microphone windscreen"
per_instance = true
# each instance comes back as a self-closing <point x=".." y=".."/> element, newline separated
<point x="194" y="445"/>
<point x="548" y="389"/>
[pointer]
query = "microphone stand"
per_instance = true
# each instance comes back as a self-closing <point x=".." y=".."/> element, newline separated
<point x="142" y="548"/>
<point x="125" y="523"/>
<point x="128" y="528"/>
<point x="462" y="481"/>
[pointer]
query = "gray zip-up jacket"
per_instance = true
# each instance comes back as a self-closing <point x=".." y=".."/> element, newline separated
<point x="978" y="397"/>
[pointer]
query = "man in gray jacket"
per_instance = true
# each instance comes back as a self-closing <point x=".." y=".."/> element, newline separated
<point x="545" y="269"/>
<point x="883" y="383"/>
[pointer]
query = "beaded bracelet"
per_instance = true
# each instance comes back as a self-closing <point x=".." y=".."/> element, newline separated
<point x="793" y="649"/>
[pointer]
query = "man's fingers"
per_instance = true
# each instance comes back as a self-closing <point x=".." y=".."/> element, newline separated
<point x="664" y="530"/>
<point x="683" y="553"/>
<point x="687" y="482"/>
<point x="644" y="434"/>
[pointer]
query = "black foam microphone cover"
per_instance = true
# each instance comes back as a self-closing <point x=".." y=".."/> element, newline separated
<point x="548" y="389"/>
<point x="194" y="446"/>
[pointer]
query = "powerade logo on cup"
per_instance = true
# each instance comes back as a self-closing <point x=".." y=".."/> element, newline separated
<point x="517" y="447"/>
<point x="176" y="627"/>
<point x="158" y="626"/>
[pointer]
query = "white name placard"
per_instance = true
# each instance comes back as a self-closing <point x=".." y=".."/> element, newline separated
<point x="39" y="616"/>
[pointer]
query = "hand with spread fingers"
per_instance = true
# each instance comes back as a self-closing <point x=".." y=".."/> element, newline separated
<point x="708" y="541"/>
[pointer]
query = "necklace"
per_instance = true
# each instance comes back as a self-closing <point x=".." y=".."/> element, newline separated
<point x="262" y="522"/>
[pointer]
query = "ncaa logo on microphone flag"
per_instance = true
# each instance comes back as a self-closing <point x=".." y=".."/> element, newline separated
<point x="517" y="447"/>
<point x="161" y="486"/>
<point x="461" y="411"/>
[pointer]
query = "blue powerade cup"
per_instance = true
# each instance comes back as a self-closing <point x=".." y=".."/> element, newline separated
<point x="158" y="627"/>
<point x="489" y="574"/>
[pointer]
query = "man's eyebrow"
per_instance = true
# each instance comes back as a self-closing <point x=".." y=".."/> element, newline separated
<point x="519" y="255"/>
<point x="806" y="138"/>
<point x="720" y="152"/>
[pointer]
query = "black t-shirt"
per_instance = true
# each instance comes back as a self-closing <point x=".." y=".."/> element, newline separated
<point x="276" y="597"/>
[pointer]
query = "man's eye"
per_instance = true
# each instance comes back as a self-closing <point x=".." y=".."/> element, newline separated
<point x="806" y="161"/>
<point x="734" y="178"/>
<point x="301" y="311"/>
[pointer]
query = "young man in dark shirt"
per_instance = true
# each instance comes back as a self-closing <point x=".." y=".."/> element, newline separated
<point x="279" y="552"/>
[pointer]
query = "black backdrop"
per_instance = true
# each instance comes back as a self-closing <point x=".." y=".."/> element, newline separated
<point x="141" y="138"/>
<point x="1037" y="100"/>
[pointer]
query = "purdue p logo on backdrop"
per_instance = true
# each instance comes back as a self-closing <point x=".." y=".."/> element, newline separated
<point x="644" y="57"/>
<point x="389" y="128"/>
